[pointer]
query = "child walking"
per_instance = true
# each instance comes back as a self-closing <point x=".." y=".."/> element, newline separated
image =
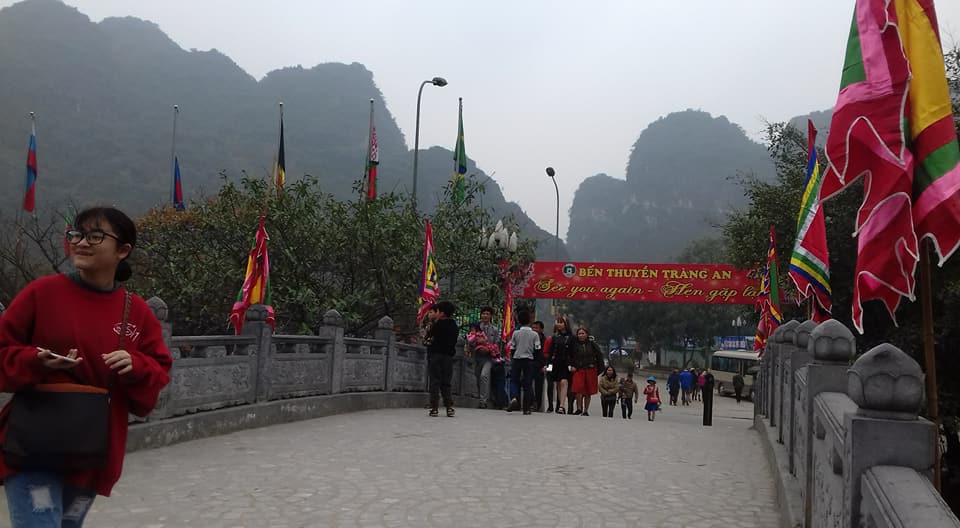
<point x="652" y="392"/>
<point x="629" y="394"/>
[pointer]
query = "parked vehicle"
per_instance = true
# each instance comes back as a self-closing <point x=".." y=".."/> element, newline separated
<point x="725" y="364"/>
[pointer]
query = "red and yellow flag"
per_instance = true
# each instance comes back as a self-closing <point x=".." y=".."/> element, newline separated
<point x="256" y="281"/>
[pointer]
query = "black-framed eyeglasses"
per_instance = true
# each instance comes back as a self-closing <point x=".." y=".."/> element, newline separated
<point x="93" y="238"/>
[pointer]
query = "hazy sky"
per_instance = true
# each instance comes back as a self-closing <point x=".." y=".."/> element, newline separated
<point x="569" y="84"/>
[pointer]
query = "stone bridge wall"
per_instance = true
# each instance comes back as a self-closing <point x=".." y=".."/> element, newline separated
<point x="845" y="439"/>
<point x="220" y="384"/>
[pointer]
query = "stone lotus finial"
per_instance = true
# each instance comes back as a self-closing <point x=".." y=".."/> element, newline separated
<point x="832" y="342"/>
<point x="887" y="383"/>
<point x="801" y="335"/>
<point x="332" y="318"/>
<point x="256" y="312"/>
<point x="787" y="331"/>
<point x="156" y="304"/>
<point x="385" y="323"/>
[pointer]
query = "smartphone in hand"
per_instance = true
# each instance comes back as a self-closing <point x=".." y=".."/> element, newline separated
<point x="65" y="358"/>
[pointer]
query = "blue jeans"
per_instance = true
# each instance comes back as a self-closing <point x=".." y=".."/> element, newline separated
<point x="41" y="499"/>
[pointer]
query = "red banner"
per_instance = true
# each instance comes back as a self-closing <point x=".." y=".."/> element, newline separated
<point x="672" y="283"/>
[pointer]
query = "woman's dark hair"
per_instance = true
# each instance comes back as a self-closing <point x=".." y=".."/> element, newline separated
<point x="475" y="326"/>
<point x="447" y="308"/>
<point x="610" y="367"/>
<point x="566" y="324"/>
<point x="122" y="226"/>
<point x="585" y="329"/>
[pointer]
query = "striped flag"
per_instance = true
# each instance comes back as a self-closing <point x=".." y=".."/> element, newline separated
<point x="256" y="281"/>
<point x="810" y="261"/>
<point x="177" y="186"/>
<point x="373" y="158"/>
<point x="893" y="125"/>
<point x="30" y="191"/>
<point x="507" y="327"/>
<point x="429" y="279"/>
<point x="459" y="162"/>
<point x="769" y="299"/>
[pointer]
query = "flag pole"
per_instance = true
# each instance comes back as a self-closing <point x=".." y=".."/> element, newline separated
<point x="366" y="164"/>
<point x="929" y="354"/>
<point x="173" y="156"/>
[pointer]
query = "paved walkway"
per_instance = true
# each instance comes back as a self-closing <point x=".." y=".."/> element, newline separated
<point x="400" y="468"/>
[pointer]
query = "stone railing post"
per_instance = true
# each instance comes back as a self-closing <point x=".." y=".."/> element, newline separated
<point x="384" y="332"/>
<point x="887" y="385"/>
<point x="831" y="346"/>
<point x="770" y="351"/>
<point x="799" y="357"/>
<point x="332" y="327"/>
<point x="160" y="311"/>
<point x="255" y="324"/>
<point x="784" y="350"/>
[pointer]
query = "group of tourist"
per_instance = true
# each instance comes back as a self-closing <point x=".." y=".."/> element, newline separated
<point x="688" y="384"/>
<point x="568" y="367"/>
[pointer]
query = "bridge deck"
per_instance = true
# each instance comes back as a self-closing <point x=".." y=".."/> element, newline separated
<point x="398" y="468"/>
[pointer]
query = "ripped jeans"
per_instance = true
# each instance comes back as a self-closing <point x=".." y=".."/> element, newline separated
<point x="41" y="499"/>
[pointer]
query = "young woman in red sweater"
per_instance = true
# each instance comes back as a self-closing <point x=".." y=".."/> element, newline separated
<point x="65" y="329"/>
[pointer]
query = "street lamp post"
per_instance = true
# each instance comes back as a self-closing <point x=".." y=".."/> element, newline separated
<point x="738" y="323"/>
<point x="436" y="81"/>
<point x="553" y="176"/>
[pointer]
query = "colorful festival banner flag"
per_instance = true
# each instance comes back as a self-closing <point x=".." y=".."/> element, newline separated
<point x="281" y="169"/>
<point x="30" y="190"/>
<point x="256" y="281"/>
<point x="372" y="159"/>
<point x="459" y="162"/>
<point x="810" y="261"/>
<point x="768" y="302"/>
<point x="177" y="186"/>
<point x="893" y="125"/>
<point x="429" y="280"/>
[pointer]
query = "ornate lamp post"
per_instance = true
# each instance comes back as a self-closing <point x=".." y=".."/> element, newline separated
<point x="436" y="81"/>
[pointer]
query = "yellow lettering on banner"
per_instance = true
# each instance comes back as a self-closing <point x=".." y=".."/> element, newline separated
<point x="679" y="289"/>
<point x="751" y="291"/>
<point x="590" y="271"/>
<point x="722" y="275"/>
<point x="612" y="292"/>
<point x="615" y="272"/>
<point x="647" y="273"/>
<point x="724" y="293"/>
<point x="548" y="286"/>
<point x="581" y="289"/>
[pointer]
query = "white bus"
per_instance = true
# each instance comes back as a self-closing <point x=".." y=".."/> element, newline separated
<point x="727" y="363"/>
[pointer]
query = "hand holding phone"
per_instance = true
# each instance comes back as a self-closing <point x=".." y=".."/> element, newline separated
<point x="58" y="361"/>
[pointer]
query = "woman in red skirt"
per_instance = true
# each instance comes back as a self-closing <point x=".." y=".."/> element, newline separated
<point x="586" y="362"/>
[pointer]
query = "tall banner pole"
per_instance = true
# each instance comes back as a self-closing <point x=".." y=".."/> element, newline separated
<point x="929" y="354"/>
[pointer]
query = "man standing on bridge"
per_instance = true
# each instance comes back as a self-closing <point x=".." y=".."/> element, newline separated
<point x="441" y="347"/>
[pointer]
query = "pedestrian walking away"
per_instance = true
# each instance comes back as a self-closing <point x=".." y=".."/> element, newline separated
<point x="652" y="393"/>
<point x="441" y="341"/>
<point x="525" y="344"/>
<point x="609" y="390"/>
<point x="738" y="385"/>
<point x="82" y="340"/>
<point x="686" y="386"/>
<point x="629" y="394"/>
<point x="673" y="386"/>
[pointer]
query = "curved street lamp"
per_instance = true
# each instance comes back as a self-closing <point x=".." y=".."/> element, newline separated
<point x="436" y="81"/>
<point x="553" y="176"/>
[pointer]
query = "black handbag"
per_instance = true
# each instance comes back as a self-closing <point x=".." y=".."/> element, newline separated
<point x="61" y="426"/>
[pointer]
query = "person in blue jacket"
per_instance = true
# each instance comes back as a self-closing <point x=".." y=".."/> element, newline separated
<point x="686" y="385"/>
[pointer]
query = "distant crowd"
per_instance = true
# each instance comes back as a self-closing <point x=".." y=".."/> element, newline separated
<point x="568" y="367"/>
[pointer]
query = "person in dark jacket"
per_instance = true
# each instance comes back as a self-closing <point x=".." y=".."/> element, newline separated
<point x="587" y="360"/>
<point x="441" y="341"/>
<point x="673" y="386"/>
<point x="561" y="345"/>
<point x="738" y="385"/>
<point x="539" y="363"/>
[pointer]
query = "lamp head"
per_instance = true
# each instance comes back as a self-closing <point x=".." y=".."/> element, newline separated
<point x="551" y="172"/>
<point x="439" y="81"/>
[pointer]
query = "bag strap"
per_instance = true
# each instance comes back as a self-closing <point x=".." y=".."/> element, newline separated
<point x="126" y="314"/>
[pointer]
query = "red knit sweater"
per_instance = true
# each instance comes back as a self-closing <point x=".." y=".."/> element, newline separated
<point x="56" y="313"/>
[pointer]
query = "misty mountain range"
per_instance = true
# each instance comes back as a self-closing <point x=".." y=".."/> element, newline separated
<point x="103" y="93"/>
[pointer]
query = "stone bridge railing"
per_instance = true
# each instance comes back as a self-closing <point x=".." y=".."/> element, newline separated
<point x="845" y="440"/>
<point x="259" y="378"/>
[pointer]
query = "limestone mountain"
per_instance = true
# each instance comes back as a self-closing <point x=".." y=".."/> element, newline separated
<point x="104" y="95"/>
<point x="681" y="180"/>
